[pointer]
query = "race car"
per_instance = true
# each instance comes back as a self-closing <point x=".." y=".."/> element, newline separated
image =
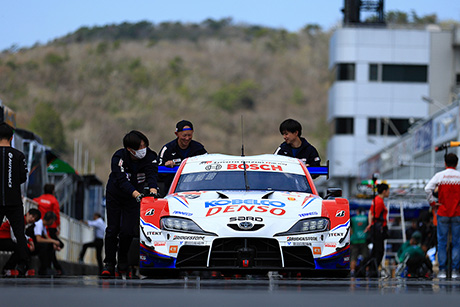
<point x="244" y="214"/>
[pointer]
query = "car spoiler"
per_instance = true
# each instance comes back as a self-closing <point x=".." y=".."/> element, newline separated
<point x="322" y="170"/>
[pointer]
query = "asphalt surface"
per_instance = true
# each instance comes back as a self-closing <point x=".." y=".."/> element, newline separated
<point x="247" y="291"/>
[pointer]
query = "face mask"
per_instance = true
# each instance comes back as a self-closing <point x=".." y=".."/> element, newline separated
<point x="140" y="154"/>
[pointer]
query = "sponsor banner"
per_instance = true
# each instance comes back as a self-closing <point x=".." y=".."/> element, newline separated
<point x="445" y="126"/>
<point x="423" y="137"/>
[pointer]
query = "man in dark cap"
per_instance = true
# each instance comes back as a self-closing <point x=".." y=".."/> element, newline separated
<point x="173" y="153"/>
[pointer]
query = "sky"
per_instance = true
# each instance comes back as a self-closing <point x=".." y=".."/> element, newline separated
<point x="26" y="22"/>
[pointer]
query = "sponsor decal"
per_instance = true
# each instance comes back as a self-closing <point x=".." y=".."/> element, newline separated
<point x="10" y="170"/>
<point x="205" y="162"/>
<point x="173" y="249"/>
<point x="190" y="196"/>
<point x="153" y="233"/>
<point x="241" y="208"/>
<point x="183" y="213"/>
<point x="308" y="214"/>
<point x="333" y="245"/>
<point x="188" y="238"/>
<point x="291" y="198"/>
<point x="336" y="234"/>
<point x="246" y="218"/>
<point x="142" y="257"/>
<point x="213" y="167"/>
<point x="163" y="243"/>
<point x="316" y="250"/>
<point x="225" y="202"/>
<point x="299" y="244"/>
<point x="302" y="239"/>
<point x="340" y="213"/>
<point x="150" y="212"/>
<point x="254" y="167"/>
<point x="194" y="243"/>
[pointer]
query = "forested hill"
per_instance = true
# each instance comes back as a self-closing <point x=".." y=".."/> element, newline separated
<point x="96" y="84"/>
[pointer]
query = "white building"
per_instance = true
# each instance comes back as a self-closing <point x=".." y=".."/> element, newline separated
<point x="382" y="74"/>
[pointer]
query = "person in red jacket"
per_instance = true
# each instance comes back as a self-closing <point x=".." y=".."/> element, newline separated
<point x="448" y="212"/>
<point x="377" y="228"/>
<point x="48" y="202"/>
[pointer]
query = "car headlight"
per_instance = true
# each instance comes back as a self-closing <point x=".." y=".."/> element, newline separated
<point x="307" y="226"/>
<point x="178" y="224"/>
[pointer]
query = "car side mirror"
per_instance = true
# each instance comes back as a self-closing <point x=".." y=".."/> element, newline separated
<point x="333" y="193"/>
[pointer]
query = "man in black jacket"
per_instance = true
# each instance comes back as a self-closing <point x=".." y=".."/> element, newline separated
<point x="296" y="146"/>
<point x="134" y="169"/>
<point x="173" y="153"/>
<point x="13" y="172"/>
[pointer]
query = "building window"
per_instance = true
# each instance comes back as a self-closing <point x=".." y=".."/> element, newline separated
<point x="372" y="126"/>
<point x="344" y="125"/>
<point x="404" y="73"/>
<point x="373" y="72"/>
<point x="388" y="126"/>
<point x="400" y="125"/>
<point x="345" y="71"/>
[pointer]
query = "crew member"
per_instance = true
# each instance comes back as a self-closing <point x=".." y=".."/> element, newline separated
<point x="134" y="169"/>
<point x="13" y="172"/>
<point x="173" y="153"/>
<point x="296" y="146"/>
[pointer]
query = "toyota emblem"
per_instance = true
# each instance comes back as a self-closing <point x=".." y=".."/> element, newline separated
<point x="245" y="225"/>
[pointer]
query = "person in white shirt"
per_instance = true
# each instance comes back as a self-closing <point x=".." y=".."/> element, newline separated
<point x="45" y="245"/>
<point x="99" y="229"/>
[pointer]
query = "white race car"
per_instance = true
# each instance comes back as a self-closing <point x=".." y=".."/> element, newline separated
<point x="238" y="215"/>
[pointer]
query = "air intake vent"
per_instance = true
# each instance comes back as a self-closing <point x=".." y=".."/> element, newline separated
<point x="245" y="253"/>
<point x="192" y="256"/>
<point x="298" y="257"/>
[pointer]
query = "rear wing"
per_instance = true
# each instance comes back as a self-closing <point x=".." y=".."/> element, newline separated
<point x="322" y="170"/>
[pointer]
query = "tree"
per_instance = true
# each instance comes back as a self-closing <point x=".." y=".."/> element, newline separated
<point x="47" y="123"/>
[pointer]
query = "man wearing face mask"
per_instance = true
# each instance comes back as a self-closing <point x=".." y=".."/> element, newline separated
<point x="134" y="168"/>
<point x="173" y="153"/>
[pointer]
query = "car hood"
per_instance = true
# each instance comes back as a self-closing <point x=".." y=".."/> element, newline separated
<point x="220" y="212"/>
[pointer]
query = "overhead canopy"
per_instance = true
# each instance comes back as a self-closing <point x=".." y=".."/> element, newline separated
<point x="59" y="166"/>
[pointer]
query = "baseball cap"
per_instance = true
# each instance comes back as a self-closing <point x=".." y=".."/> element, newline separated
<point x="417" y="236"/>
<point x="180" y="125"/>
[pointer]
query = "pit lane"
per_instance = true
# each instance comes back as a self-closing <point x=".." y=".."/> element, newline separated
<point x="247" y="291"/>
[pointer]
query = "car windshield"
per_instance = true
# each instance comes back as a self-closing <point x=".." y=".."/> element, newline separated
<point x="234" y="180"/>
